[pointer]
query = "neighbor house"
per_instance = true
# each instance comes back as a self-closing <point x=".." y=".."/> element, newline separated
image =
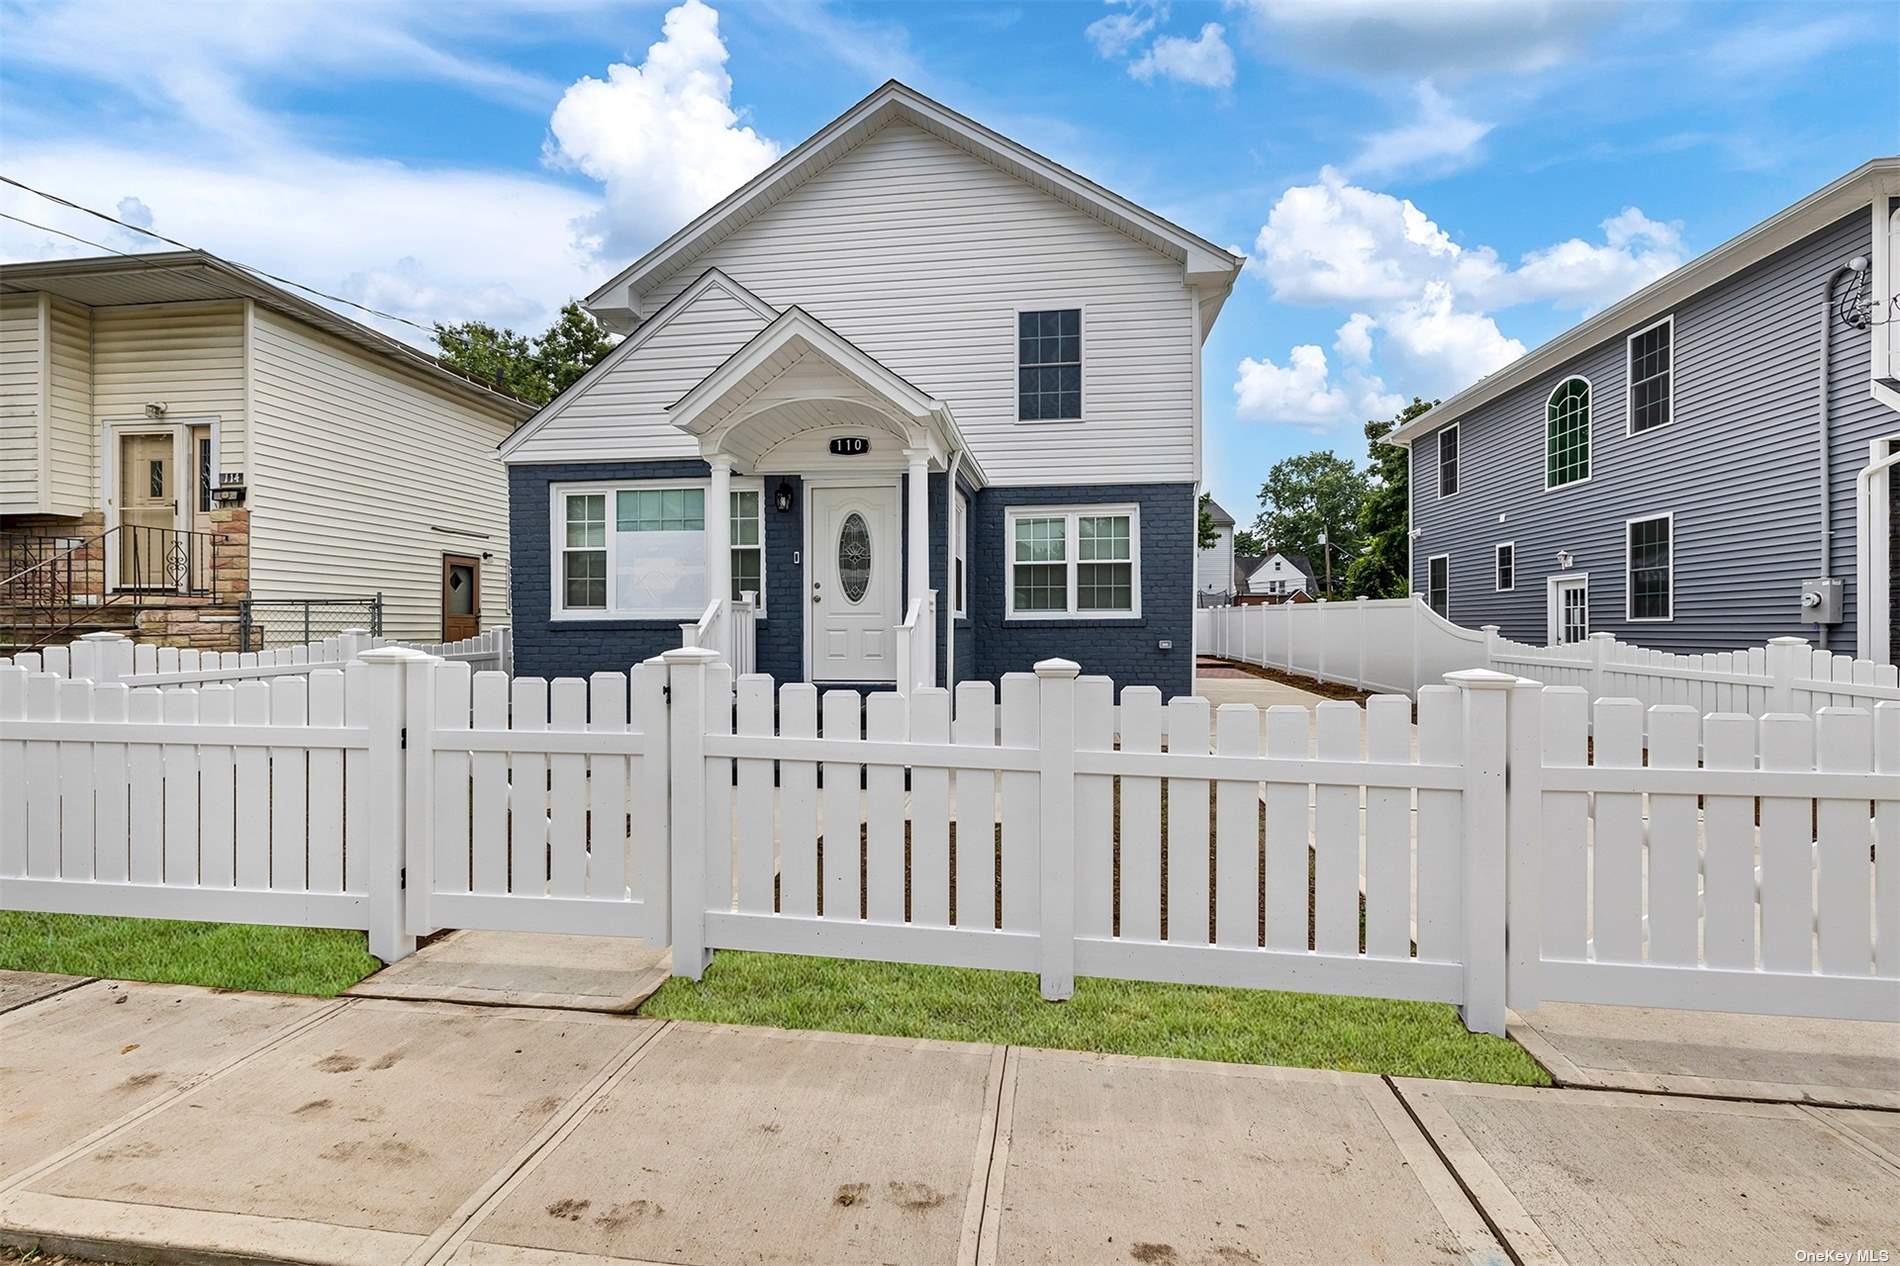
<point x="912" y="357"/>
<point x="177" y="433"/>
<point x="1215" y="578"/>
<point x="1703" y="466"/>
<point x="1281" y="575"/>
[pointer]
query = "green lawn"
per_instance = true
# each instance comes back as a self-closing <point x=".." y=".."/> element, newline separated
<point x="1242" y="1026"/>
<point x="313" y="961"/>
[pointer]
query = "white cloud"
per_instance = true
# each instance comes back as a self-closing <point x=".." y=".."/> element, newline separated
<point x="1421" y="303"/>
<point x="662" y="137"/>
<point x="1437" y="138"/>
<point x="1446" y="37"/>
<point x="1118" y="32"/>
<point x="133" y="211"/>
<point x="1204" y="61"/>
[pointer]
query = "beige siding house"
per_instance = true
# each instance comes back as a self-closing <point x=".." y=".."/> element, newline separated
<point x="177" y="435"/>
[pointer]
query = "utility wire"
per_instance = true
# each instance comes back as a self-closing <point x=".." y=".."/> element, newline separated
<point x="172" y="241"/>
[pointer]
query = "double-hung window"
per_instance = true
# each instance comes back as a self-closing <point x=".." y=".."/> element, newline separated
<point x="1049" y="365"/>
<point x="1083" y="562"/>
<point x="1438" y="584"/>
<point x="1652" y="386"/>
<point x="1649" y="564"/>
<point x="1567" y="434"/>
<point x="1448" y="461"/>
<point x="960" y="536"/>
<point x="1507" y="567"/>
<point x="637" y="551"/>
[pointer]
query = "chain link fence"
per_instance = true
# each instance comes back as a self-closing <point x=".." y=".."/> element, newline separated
<point x="270" y="623"/>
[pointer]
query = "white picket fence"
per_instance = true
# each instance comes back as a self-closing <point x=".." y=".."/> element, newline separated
<point x="102" y="657"/>
<point x="1398" y="644"/>
<point x="1001" y="829"/>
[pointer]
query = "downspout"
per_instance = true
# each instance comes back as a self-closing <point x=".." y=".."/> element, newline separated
<point x="1824" y="436"/>
<point x="950" y="575"/>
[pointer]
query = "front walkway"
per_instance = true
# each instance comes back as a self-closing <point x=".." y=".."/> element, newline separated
<point x="1219" y="683"/>
<point x="148" y="1122"/>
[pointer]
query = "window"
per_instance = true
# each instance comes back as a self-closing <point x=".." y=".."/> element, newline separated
<point x="1567" y="434"/>
<point x="204" y="474"/>
<point x="1438" y="584"/>
<point x="960" y="534"/>
<point x="1049" y="365"/>
<point x="1507" y="567"/>
<point x="748" y="543"/>
<point x="638" y="551"/>
<point x="1448" y="461"/>
<point x="1650" y="564"/>
<point x="1651" y="376"/>
<point x="1074" y="562"/>
<point x="584" y="554"/>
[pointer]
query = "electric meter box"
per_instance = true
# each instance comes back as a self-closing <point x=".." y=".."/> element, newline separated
<point x="1821" y="601"/>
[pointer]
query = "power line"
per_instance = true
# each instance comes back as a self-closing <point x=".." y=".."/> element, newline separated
<point x="172" y="241"/>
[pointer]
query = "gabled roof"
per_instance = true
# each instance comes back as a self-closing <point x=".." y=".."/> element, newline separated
<point x="197" y="276"/>
<point x="1217" y="516"/>
<point x="1205" y="264"/>
<point x="1298" y="562"/>
<point x="1877" y="177"/>
<point x="710" y="279"/>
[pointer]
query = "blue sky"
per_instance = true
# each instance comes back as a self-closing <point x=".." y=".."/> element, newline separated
<point x="1423" y="190"/>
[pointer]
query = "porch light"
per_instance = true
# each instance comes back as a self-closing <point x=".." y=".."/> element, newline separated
<point x="782" y="496"/>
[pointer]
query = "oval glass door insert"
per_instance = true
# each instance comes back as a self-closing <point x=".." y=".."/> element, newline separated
<point x="854" y="557"/>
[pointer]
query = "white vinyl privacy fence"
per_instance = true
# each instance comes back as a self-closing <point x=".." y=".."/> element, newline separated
<point x="1489" y="853"/>
<point x="1398" y="644"/>
<point x="104" y="657"/>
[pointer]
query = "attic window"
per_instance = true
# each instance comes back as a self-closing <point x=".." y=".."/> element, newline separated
<point x="1049" y="365"/>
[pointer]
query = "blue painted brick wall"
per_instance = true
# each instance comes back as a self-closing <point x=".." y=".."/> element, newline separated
<point x="1122" y="649"/>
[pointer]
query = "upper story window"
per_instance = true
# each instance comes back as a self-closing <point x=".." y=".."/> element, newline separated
<point x="1652" y="376"/>
<point x="1448" y="461"/>
<point x="638" y="551"/>
<point x="1084" y="561"/>
<point x="1567" y="434"/>
<point x="1049" y="365"/>
<point x="1649" y="560"/>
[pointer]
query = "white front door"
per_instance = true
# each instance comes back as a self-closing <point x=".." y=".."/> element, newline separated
<point x="854" y="584"/>
<point x="1569" y="609"/>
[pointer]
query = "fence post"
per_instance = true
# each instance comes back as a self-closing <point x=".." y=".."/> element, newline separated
<point x="1486" y="826"/>
<point x="1319" y="661"/>
<point x="1417" y="620"/>
<point x="1490" y="645"/>
<point x="1359" y="677"/>
<point x="389" y="937"/>
<point x="419" y="787"/>
<point x="1056" y="739"/>
<point x="350" y="643"/>
<point x="653" y="846"/>
<point x="1523" y="894"/>
<point x="108" y="664"/>
<point x="686" y="687"/>
<point x="1785" y="655"/>
<point x="1599" y="654"/>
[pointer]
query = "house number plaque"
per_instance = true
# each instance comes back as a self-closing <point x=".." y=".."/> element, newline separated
<point x="850" y="446"/>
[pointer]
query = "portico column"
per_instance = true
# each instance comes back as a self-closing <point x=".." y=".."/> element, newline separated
<point x="719" y="528"/>
<point x="917" y="485"/>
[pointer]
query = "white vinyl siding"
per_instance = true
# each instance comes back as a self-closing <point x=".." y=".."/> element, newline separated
<point x="364" y="475"/>
<point x="21" y="372"/>
<point x="72" y="446"/>
<point x="621" y="415"/>
<point x="921" y="254"/>
<point x="188" y="355"/>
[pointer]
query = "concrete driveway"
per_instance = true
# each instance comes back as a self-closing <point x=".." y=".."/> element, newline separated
<point x="145" y="1122"/>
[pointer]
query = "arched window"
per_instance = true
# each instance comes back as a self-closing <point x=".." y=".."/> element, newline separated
<point x="1567" y="434"/>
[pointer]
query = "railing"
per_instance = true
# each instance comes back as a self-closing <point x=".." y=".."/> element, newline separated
<point x="59" y="581"/>
<point x="729" y="629"/>
<point x="917" y="644"/>
<point x="269" y="623"/>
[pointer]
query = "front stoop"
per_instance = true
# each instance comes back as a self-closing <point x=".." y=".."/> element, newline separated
<point x="526" y="969"/>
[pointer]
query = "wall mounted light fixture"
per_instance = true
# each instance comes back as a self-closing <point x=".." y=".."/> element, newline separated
<point x="782" y="496"/>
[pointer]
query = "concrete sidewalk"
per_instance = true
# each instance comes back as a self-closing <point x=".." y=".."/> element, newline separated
<point x="145" y="1122"/>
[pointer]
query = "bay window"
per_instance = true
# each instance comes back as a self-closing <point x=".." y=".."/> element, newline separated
<point x="1073" y="562"/>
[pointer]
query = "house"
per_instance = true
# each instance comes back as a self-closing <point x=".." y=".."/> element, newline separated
<point x="1214" y="564"/>
<point x="910" y="358"/>
<point x="1280" y="575"/>
<point x="1707" y="464"/>
<point x="177" y="433"/>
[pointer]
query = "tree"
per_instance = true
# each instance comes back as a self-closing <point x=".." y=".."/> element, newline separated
<point x="1209" y="534"/>
<point x="1309" y="496"/>
<point x="533" y="370"/>
<point x="1249" y="542"/>
<point x="1379" y="570"/>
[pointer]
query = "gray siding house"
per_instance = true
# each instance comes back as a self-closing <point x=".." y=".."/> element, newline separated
<point x="1677" y="469"/>
<point x="910" y="357"/>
